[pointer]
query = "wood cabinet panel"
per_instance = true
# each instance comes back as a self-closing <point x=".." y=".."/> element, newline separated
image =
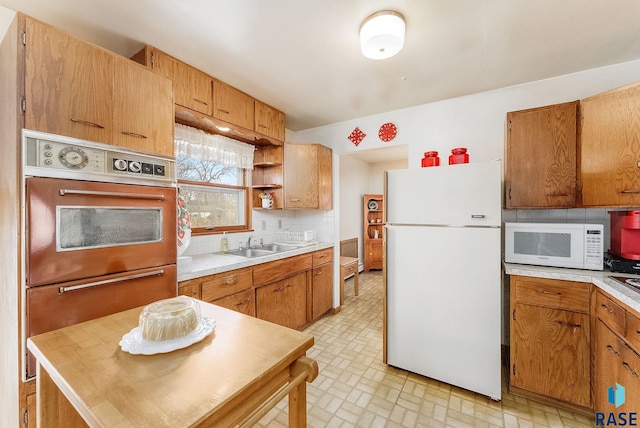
<point x="189" y="288"/>
<point x="191" y="87"/>
<point x="373" y="254"/>
<point x="284" y="302"/>
<point x="608" y="363"/>
<point x="610" y="313"/>
<point x="243" y="302"/>
<point x="307" y="176"/>
<point x="609" y="140"/>
<point x="232" y="105"/>
<point x="143" y="109"/>
<point x="551" y="293"/>
<point x="322" y="289"/>
<point x="273" y="271"/>
<point x="632" y="332"/>
<point x="68" y="85"/>
<point x="223" y="284"/>
<point x="323" y="256"/>
<point x="541" y="154"/>
<point x="537" y="334"/>
<point x="269" y="121"/>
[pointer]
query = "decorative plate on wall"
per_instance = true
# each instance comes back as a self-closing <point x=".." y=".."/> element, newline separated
<point x="388" y="132"/>
<point x="356" y="136"/>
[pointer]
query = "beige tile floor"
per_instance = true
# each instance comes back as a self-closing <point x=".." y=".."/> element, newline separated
<point x="355" y="389"/>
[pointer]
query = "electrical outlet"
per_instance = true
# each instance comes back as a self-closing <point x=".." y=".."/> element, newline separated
<point x="279" y="223"/>
<point x="264" y="224"/>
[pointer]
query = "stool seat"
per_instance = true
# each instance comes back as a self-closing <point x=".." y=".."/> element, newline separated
<point x="348" y="266"/>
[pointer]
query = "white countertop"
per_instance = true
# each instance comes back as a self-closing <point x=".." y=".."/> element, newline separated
<point x="212" y="263"/>
<point x="599" y="278"/>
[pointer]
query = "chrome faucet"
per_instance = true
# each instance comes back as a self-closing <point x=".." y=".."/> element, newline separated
<point x="249" y="242"/>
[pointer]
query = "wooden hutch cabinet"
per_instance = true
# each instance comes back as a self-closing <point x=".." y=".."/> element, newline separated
<point x="373" y="231"/>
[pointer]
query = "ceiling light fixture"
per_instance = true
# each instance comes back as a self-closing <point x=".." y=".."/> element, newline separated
<point x="382" y="34"/>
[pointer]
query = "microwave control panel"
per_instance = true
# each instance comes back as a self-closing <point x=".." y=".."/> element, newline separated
<point x="593" y="247"/>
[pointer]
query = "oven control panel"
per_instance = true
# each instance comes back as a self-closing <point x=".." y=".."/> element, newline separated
<point x="55" y="156"/>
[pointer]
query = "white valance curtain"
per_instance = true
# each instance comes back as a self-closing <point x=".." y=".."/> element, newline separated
<point x="192" y="143"/>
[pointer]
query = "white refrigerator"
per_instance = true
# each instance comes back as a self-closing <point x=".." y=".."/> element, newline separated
<point x="443" y="273"/>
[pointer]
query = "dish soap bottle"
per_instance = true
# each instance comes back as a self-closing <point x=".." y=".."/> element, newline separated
<point x="224" y="243"/>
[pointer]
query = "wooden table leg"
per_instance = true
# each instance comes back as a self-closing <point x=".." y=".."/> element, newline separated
<point x="356" y="277"/>
<point x="298" y="395"/>
<point x="342" y="275"/>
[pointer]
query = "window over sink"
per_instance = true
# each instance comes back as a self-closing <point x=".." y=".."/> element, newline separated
<point x="212" y="179"/>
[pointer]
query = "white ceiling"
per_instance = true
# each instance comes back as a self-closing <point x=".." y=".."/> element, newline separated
<point x="303" y="56"/>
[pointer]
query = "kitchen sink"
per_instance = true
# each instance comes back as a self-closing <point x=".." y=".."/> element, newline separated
<point x="250" y="252"/>
<point x="278" y="248"/>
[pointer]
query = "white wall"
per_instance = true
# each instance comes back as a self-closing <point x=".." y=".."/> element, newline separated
<point x="376" y="173"/>
<point x="474" y="121"/>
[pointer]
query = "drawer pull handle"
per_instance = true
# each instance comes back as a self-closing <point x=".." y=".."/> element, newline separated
<point x="629" y="369"/>
<point x="319" y="273"/>
<point x="555" y="293"/>
<point x="262" y="126"/>
<point x="278" y="289"/>
<point x="134" y="134"/>
<point x="606" y="308"/>
<point x="569" y="324"/>
<point x="229" y="282"/>
<point x="556" y="195"/>
<point x="200" y="101"/>
<point x="630" y="191"/>
<point x="612" y="350"/>
<point x="223" y="111"/>
<point x="289" y="285"/>
<point x="294" y="200"/>
<point x="322" y="256"/>
<point x="245" y="302"/>
<point x="86" y="122"/>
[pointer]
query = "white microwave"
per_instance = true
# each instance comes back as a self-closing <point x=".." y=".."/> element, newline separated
<point x="568" y="245"/>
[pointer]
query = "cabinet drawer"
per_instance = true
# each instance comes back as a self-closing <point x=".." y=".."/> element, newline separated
<point x="190" y="287"/>
<point x="322" y="257"/>
<point x="610" y="313"/>
<point x="243" y="302"/>
<point x="273" y="271"/>
<point x="224" y="284"/>
<point x="632" y="333"/>
<point x="559" y="294"/>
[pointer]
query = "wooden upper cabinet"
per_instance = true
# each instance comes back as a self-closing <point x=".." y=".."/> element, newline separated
<point x="269" y="121"/>
<point x="232" y="105"/>
<point x="191" y="87"/>
<point x="68" y="85"/>
<point x="307" y="176"/>
<point x="80" y="90"/>
<point x="142" y="109"/>
<point x="610" y="142"/>
<point x="540" y="171"/>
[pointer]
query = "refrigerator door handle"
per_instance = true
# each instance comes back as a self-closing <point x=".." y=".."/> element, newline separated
<point x="478" y="216"/>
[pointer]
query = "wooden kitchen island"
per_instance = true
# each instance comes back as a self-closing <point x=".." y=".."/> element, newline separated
<point x="231" y="378"/>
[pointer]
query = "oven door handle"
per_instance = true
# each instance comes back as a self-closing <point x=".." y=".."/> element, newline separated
<point x="64" y="192"/>
<point x="158" y="272"/>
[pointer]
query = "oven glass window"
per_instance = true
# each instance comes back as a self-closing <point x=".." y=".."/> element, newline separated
<point x="95" y="227"/>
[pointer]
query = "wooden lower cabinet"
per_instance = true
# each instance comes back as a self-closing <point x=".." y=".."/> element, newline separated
<point x="243" y="302"/>
<point x="551" y="339"/>
<point x="292" y="291"/>
<point x="322" y="290"/>
<point x="616" y="358"/>
<point x="551" y="355"/>
<point x="284" y="302"/>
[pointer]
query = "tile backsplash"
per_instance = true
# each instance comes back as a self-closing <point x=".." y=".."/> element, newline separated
<point x="266" y="225"/>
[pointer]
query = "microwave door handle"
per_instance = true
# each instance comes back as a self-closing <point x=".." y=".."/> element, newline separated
<point x="158" y="272"/>
<point x="64" y="192"/>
